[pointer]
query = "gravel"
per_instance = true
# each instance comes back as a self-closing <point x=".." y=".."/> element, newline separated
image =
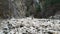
<point x="30" y="26"/>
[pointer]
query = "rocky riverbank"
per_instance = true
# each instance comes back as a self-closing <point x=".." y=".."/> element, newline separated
<point x="30" y="26"/>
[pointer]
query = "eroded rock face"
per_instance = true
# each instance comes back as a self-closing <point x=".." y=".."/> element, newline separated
<point x="30" y="26"/>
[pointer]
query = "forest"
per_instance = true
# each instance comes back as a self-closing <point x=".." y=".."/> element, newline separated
<point x="26" y="8"/>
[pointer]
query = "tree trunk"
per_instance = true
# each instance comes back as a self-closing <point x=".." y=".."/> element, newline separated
<point x="18" y="7"/>
<point x="4" y="4"/>
<point x="11" y="8"/>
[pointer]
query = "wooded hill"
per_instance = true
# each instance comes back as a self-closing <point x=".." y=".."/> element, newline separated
<point x="26" y="8"/>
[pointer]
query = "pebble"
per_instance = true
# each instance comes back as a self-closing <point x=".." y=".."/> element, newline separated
<point x="30" y="26"/>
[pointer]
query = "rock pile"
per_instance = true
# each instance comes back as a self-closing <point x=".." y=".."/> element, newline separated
<point x="30" y="26"/>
